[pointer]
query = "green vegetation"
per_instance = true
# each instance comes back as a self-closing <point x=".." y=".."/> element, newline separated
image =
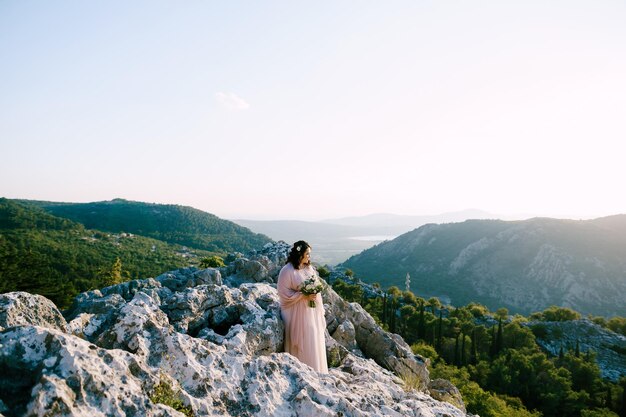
<point x="555" y="313"/>
<point x="493" y="358"/>
<point x="58" y="258"/>
<point x="169" y="223"/>
<point x="616" y="324"/>
<point x="165" y="394"/>
<point x="212" y="262"/>
<point x="323" y="271"/>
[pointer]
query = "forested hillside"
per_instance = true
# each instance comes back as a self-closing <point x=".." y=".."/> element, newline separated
<point x="170" y="223"/>
<point x="552" y="363"/>
<point x="58" y="258"/>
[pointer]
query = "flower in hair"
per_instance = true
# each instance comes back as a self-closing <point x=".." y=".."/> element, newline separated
<point x="298" y="248"/>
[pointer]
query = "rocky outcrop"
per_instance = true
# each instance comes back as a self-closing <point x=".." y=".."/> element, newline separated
<point x="608" y="347"/>
<point x="18" y="308"/>
<point x="219" y="347"/>
<point x="52" y="373"/>
<point x="443" y="390"/>
<point x="357" y="331"/>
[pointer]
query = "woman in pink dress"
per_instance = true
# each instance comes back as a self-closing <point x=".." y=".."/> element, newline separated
<point x="304" y="325"/>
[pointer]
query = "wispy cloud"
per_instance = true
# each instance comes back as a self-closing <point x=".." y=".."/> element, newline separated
<point x="231" y="101"/>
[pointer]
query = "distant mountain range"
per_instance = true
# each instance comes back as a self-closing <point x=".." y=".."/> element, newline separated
<point x="335" y="240"/>
<point x="524" y="266"/>
<point x="394" y="224"/>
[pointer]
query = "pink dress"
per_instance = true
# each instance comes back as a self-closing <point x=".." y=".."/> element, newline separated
<point x="304" y="325"/>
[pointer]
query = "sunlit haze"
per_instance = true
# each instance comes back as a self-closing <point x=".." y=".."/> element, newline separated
<point x="313" y="110"/>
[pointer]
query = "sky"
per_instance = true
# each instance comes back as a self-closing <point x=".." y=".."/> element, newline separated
<point x="315" y="110"/>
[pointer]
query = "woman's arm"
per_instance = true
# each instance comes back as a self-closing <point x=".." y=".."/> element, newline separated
<point x="288" y="295"/>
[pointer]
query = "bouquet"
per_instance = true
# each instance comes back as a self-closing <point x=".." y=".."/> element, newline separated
<point x="312" y="285"/>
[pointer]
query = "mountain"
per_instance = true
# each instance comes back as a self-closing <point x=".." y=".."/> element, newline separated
<point x="204" y="344"/>
<point x="335" y="240"/>
<point x="524" y="266"/>
<point x="170" y="223"/>
<point x="57" y="257"/>
<point x="394" y="224"/>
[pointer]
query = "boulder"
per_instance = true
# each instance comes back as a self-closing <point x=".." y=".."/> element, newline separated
<point x="443" y="390"/>
<point x="20" y="308"/>
<point x="207" y="276"/>
<point x="345" y="335"/>
<point x="91" y="313"/>
<point x="251" y="270"/>
<point x="387" y="349"/>
<point x="46" y="372"/>
<point x="189" y="310"/>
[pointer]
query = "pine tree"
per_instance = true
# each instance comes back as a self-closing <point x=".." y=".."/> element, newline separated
<point x="609" y="401"/>
<point x="112" y="275"/>
<point x="440" y="331"/>
<point x="463" y="362"/>
<point x="492" y="346"/>
<point x="421" y="325"/>
<point x="474" y="351"/>
<point x="392" y="325"/>
<point x="384" y="319"/>
<point x="623" y="383"/>
<point x="577" y="352"/>
<point x="499" y="338"/>
<point x="456" y="350"/>
<point x="433" y="335"/>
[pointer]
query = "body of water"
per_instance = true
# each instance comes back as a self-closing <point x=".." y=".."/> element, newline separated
<point x="374" y="238"/>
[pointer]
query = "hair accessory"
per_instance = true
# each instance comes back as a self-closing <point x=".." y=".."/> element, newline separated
<point x="298" y="248"/>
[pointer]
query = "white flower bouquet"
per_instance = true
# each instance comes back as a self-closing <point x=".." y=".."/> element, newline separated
<point x="312" y="285"/>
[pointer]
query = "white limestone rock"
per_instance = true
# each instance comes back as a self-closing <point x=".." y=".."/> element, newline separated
<point x="443" y="390"/>
<point x="55" y="374"/>
<point x="219" y="347"/>
<point x="19" y="308"/>
<point x="387" y="349"/>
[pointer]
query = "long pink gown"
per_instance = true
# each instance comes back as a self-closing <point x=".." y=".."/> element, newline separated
<point x="304" y="325"/>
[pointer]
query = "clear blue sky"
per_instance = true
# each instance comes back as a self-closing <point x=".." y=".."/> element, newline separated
<point x="311" y="110"/>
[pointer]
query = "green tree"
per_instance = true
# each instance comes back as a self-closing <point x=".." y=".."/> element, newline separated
<point x="502" y="313"/>
<point x="425" y="350"/>
<point x="349" y="292"/>
<point x="477" y="310"/>
<point x="516" y="336"/>
<point x="408" y="325"/>
<point x="212" y="262"/>
<point x="554" y="313"/>
<point x="477" y="400"/>
<point x="617" y="324"/>
<point x="113" y="275"/>
<point x="421" y="323"/>
<point x="434" y="304"/>
<point x="323" y="272"/>
<point x="585" y="373"/>
<point x="623" y="385"/>
<point x="600" y="412"/>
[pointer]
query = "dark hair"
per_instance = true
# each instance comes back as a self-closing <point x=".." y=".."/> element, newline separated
<point x="297" y="253"/>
